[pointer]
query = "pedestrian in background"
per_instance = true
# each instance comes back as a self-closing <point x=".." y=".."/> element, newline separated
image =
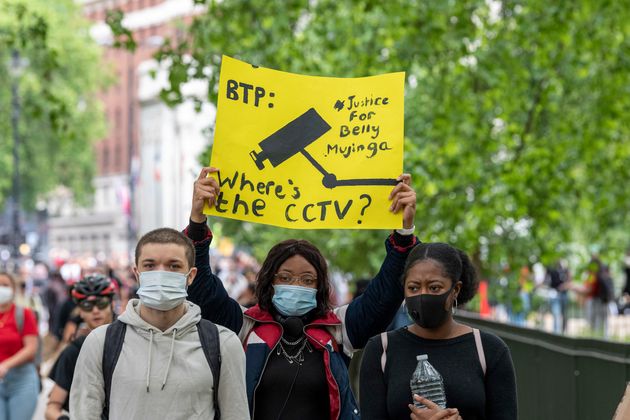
<point x="19" y="379"/>
<point x="93" y="295"/>
<point x="624" y="300"/>
<point x="558" y="278"/>
<point x="599" y="291"/>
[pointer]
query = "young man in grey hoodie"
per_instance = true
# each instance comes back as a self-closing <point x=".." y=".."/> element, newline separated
<point x="162" y="371"/>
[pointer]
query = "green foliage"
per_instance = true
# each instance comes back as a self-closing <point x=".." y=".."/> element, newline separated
<point x="517" y="112"/>
<point x="60" y="115"/>
<point x="123" y="37"/>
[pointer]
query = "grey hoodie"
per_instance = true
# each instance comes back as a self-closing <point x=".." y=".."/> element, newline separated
<point x="160" y="374"/>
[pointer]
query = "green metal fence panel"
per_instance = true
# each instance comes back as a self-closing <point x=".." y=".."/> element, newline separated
<point x="561" y="377"/>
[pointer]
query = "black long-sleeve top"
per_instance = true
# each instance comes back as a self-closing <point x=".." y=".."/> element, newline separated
<point x="385" y="396"/>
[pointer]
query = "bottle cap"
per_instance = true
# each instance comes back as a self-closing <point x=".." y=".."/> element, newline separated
<point x="422" y="357"/>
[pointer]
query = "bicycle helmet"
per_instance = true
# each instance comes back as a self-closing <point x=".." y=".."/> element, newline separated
<point x="92" y="285"/>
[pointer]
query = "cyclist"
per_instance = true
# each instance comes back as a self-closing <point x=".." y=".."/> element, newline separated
<point x="93" y="295"/>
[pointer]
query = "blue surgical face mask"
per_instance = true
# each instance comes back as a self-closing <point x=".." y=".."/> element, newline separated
<point x="162" y="290"/>
<point x="294" y="300"/>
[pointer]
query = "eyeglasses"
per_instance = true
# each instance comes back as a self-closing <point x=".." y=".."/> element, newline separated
<point x="304" y="280"/>
<point x="101" y="302"/>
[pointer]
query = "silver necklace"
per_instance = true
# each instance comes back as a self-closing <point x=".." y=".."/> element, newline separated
<point x="292" y="343"/>
<point x="299" y="355"/>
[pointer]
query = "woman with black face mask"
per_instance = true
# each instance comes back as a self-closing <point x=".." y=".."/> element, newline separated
<point x="476" y="367"/>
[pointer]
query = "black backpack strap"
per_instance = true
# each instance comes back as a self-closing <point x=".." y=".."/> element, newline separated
<point x="114" y="339"/>
<point x="209" y="338"/>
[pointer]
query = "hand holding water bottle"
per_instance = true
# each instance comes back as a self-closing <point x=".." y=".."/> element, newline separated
<point x="432" y="411"/>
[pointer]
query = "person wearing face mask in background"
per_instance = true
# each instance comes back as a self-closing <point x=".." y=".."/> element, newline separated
<point x="162" y="368"/>
<point x="93" y="295"/>
<point x="478" y="376"/>
<point x="19" y="380"/>
<point x="297" y="346"/>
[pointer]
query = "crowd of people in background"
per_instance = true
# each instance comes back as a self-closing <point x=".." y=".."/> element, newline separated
<point x="586" y="293"/>
<point x="523" y="294"/>
<point x="590" y="292"/>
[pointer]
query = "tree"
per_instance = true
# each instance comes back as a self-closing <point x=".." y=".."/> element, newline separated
<point x="517" y="112"/>
<point x="60" y="114"/>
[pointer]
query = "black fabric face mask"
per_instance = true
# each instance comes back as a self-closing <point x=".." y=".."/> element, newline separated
<point x="428" y="310"/>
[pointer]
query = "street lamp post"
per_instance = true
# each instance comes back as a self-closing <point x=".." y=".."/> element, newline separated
<point x="133" y="163"/>
<point x="131" y="226"/>
<point x="16" y="67"/>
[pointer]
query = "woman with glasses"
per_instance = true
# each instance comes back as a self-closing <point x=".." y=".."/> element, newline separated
<point x="94" y="296"/>
<point x="297" y="345"/>
<point x="19" y="381"/>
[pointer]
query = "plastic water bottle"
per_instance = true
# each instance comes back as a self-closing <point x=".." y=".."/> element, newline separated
<point x="427" y="382"/>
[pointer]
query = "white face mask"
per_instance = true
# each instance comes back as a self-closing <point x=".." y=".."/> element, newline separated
<point x="6" y="294"/>
<point x="162" y="290"/>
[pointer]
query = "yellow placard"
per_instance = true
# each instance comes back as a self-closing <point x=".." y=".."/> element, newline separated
<point x="307" y="152"/>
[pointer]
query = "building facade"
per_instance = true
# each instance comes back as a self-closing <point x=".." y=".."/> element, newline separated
<point x="149" y="159"/>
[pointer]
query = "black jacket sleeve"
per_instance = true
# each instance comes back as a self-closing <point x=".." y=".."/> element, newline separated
<point x="207" y="290"/>
<point x="371" y="313"/>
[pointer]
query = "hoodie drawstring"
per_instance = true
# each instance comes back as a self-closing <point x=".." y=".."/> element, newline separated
<point x="149" y="364"/>
<point x="170" y="357"/>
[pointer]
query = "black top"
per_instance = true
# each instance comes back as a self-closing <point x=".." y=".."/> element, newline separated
<point x="308" y="399"/>
<point x="63" y="370"/>
<point x="386" y="396"/>
<point x="63" y="315"/>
